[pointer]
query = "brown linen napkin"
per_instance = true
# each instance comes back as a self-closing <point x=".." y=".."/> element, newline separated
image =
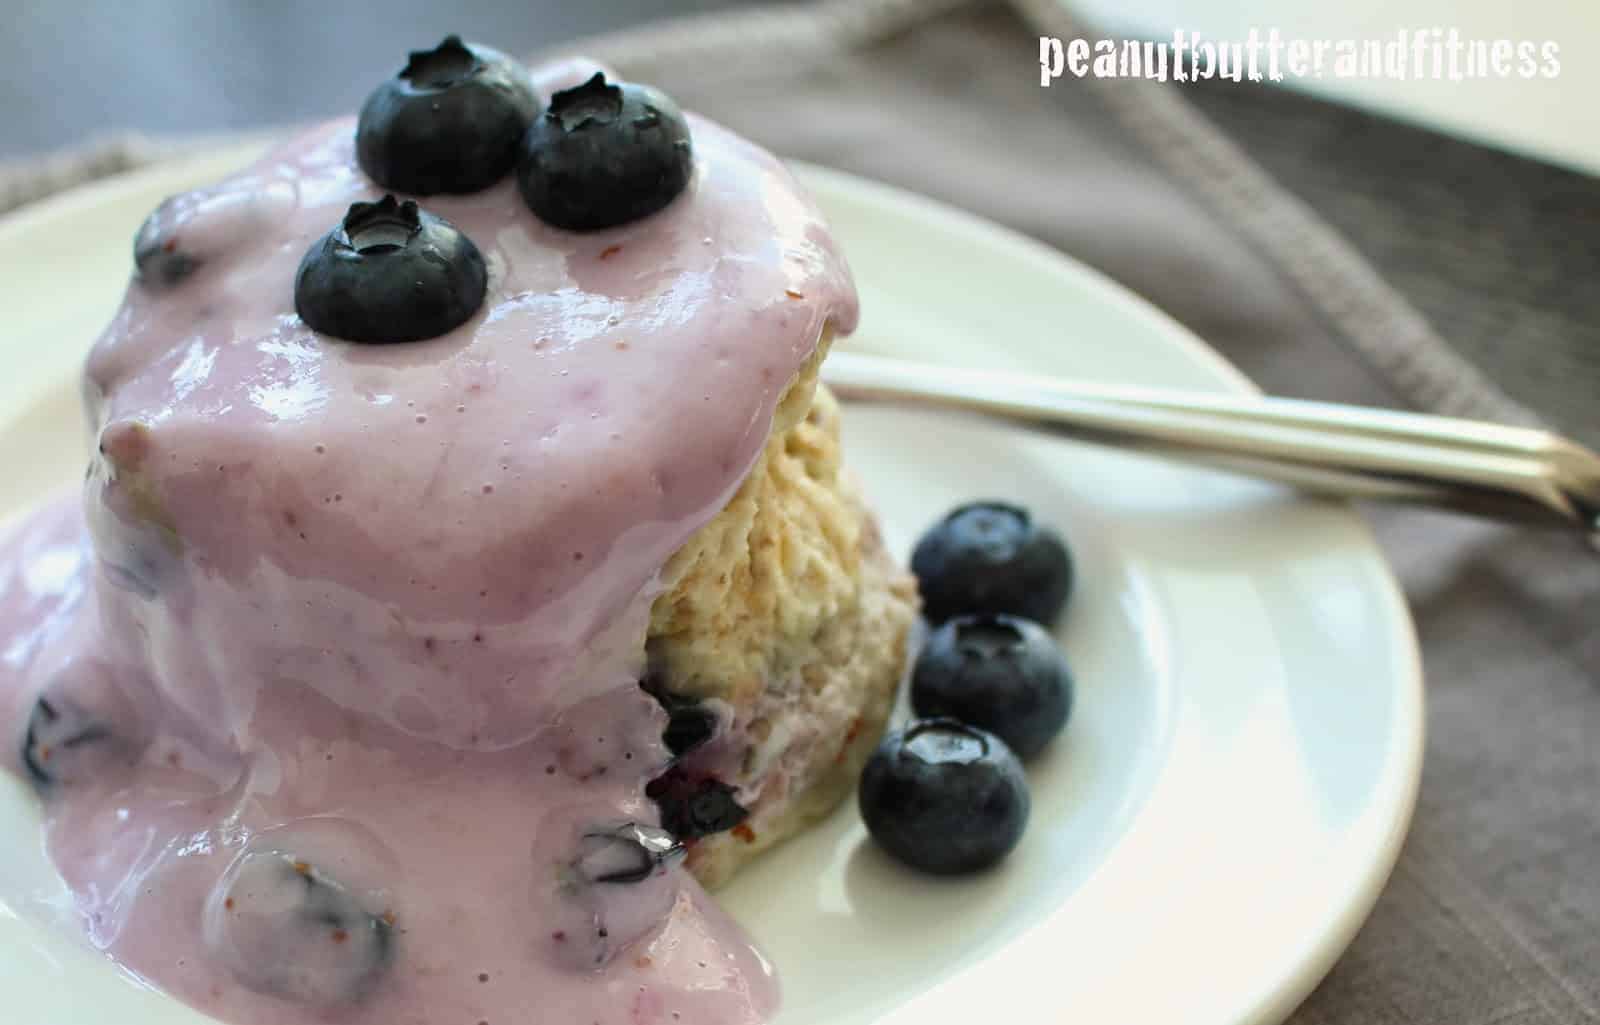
<point x="1493" y="915"/>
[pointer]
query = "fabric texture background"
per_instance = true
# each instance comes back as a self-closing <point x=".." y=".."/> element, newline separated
<point x="1329" y="254"/>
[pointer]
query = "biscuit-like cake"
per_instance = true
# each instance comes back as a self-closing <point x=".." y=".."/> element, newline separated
<point x="394" y="683"/>
<point x="786" y="610"/>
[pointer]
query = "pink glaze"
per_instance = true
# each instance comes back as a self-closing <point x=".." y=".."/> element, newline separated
<point x="382" y="608"/>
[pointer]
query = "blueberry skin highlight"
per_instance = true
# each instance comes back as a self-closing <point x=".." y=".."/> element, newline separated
<point x="992" y="557"/>
<point x="999" y="673"/>
<point x="944" y="797"/>
<point x="450" y="121"/>
<point x="390" y="272"/>
<point x="604" y="154"/>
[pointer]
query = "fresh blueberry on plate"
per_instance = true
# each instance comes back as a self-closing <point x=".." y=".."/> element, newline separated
<point x="944" y="797"/>
<point x="992" y="557"/>
<point x="285" y="928"/>
<point x="604" y="154"/>
<point x="999" y="673"/>
<point x="390" y="272"/>
<point x="450" y="121"/>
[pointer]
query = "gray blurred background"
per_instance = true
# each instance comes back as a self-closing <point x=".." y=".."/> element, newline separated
<point x="76" y="69"/>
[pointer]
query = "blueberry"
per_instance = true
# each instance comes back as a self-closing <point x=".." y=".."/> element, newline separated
<point x="689" y="724"/>
<point x="191" y="230"/>
<point x="64" y="744"/>
<point x="614" y="892"/>
<point x="629" y="853"/>
<point x="999" y="673"/>
<point x="992" y="557"/>
<point x="695" y="807"/>
<point x="286" y="929"/>
<point x="944" y="797"/>
<point x="159" y="259"/>
<point x="390" y="273"/>
<point x="604" y="154"/>
<point x="450" y="121"/>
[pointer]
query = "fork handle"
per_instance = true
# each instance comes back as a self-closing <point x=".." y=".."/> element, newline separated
<point x="1511" y="473"/>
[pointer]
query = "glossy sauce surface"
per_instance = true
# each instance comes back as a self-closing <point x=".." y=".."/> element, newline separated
<point x="339" y="649"/>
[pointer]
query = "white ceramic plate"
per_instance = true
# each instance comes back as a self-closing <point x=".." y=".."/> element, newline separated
<point x="1241" y="765"/>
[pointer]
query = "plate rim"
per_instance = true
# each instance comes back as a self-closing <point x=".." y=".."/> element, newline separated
<point x="1274" y="1002"/>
